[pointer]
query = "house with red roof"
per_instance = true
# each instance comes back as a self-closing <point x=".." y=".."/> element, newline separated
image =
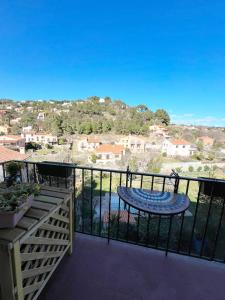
<point x="178" y="147"/>
<point x="109" y="153"/>
<point x="14" y="142"/>
<point x="8" y="154"/>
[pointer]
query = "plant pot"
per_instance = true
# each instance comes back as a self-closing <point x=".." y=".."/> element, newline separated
<point x="9" y="219"/>
<point x="62" y="170"/>
<point x="214" y="186"/>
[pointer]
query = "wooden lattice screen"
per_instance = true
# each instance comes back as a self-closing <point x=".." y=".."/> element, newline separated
<point x="46" y="238"/>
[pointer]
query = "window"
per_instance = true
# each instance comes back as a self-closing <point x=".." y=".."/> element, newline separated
<point x="183" y="146"/>
<point x="107" y="156"/>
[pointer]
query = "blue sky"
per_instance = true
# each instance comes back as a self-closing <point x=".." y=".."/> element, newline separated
<point x="166" y="54"/>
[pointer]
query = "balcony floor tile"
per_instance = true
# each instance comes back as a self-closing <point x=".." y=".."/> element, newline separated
<point x="120" y="271"/>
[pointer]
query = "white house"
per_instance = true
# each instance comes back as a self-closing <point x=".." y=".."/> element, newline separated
<point x="177" y="147"/>
<point x="40" y="138"/>
<point x="41" y="116"/>
<point x="27" y="129"/>
<point x="88" y="144"/>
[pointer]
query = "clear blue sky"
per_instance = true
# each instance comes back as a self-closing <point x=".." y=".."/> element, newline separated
<point x="166" y="54"/>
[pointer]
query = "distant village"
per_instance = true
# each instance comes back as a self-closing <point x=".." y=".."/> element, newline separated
<point x="171" y="143"/>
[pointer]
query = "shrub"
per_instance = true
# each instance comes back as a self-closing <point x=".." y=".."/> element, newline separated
<point x="206" y="168"/>
<point x="94" y="158"/>
<point x="190" y="169"/>
<point x="199" y="169"/>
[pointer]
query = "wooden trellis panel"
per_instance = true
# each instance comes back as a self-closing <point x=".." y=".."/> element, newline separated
<point x="36" y="246"/>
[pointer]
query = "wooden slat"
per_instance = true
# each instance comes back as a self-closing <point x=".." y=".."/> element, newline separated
<point x="54" y="189"/>
<point x="60" y="218"/>
<point x="53" y="194"/>
<point x="18" y="273"/>
<point x="54" y="228"/>
<point x="26" y="223"/>
<point x="48" y="199"/>
<point x="36" y="213"/>
<point x="42" y="205"/>
<point x="64" y="207"/>
<point x="39" y="255"/>
<point x="36" y="271"/>
<point x="32" y="288"/>
<point x="11" y="235"/>
<point x="50" y="274"/>
<point x="45" y="241"/>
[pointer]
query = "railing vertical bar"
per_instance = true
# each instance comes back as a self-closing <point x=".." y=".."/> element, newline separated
<point x="152" y="185"/>
<point x="34" y="173"/>
<point x="182" y="220"/>
<point x="127" y="176"/>
<point x="148" y="228"/>
<point x="91" y="201"/>
<point x="141" y="184"/>
<point x="50" y="180"/>
<point x="164" y="180"/>
<point x="169" y="234"/>
<point x="27" y="172"/>
<point x="131" y="178"/>
<point x="100" y="210"/>
<point x="82" y="213"/>
<point x="138" y="224"/>
<point x="118" y="215"/>
<point x="110" y="195"/>
<point x="158" y="232"/>
<point x="195" y="217"/>
<point x="74" y="199"/>
<point x="218" y="231"/>
<point x="128" y="223"/>
<point x="207" y="219"/>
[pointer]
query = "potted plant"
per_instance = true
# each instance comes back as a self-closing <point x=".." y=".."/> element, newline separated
<point x="14" y="202"/>
<point x="13" y="171"/>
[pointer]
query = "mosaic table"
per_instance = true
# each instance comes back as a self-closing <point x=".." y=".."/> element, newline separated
<point x="154" y="202"/>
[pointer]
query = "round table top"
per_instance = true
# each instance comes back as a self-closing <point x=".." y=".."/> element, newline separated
<point x="155" y="202"/>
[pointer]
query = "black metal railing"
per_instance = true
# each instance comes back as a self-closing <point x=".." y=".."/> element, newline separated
<point x="199" y="232"/>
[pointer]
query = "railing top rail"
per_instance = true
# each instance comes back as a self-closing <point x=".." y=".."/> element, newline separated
<point x="73" y="165"/>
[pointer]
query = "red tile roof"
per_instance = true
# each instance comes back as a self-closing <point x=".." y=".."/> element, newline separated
<point x="10" y="138"/>
<point x="180" y="142"/>
<point x="123" y="216"/>
<point x="8" y="154"/>
<point x="108" y="148"/>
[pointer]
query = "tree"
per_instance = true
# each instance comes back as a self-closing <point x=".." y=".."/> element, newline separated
<point x="162" y="116"/>
<point x="133" y="164"/>
<point x="142" y="108"/>
<point x="94" y="158"/>
<point x="154" y="165"/>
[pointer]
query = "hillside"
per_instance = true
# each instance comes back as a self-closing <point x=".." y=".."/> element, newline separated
<point x="93" y="115"/>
